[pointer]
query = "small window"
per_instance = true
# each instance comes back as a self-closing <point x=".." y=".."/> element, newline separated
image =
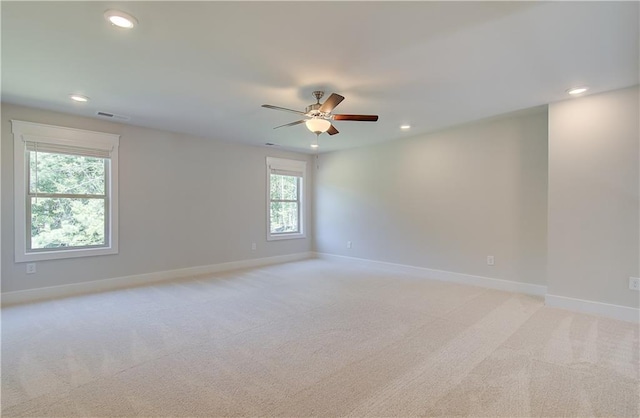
<point x="285" y="198"/>
<point x="65" y="192"/>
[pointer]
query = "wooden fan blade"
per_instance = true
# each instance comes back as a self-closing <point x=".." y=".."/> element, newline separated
<point x="282" y="108"/>
<point x="361" y="118"/>
<point x="298" y="122"/>
<point x="332" y="130"/>
<point x="333" y="101"/>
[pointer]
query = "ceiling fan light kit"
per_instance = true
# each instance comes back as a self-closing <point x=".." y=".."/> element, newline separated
<point x="317" y="125"/>
<point x="318" y="115"/>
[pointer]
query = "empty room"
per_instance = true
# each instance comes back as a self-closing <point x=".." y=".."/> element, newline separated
<point x="293" y="209"/>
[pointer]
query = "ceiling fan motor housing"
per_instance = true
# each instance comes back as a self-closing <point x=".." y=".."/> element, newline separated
<point x="312" y="110"/>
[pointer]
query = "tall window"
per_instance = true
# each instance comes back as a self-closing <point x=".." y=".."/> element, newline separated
<point x="285" y="200"/>
<point x="66" y="192"/>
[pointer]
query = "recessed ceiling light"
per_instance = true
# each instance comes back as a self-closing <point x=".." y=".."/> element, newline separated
<point x="577" y="90"/>
<point x="120" y="19"/>
<point x="405" y="127"/>
<point x="79" y="98"/>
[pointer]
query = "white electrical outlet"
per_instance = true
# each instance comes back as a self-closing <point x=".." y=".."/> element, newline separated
<point x="490" y="260"/>
<point x="253" y="246"/>
<point x="634" y="283"/>
<point x="31" y="268"/>
<point x="348" y="244"/>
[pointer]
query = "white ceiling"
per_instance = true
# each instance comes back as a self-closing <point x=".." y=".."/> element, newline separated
<point x="205" y="68"/>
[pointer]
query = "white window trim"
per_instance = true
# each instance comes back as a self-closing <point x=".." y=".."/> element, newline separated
<point x="287" y="165"/>
<point x="29" y="131"/>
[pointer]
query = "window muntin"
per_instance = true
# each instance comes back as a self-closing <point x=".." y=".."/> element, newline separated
<point x="285" y="198"/>
<point x="66" y="192"/>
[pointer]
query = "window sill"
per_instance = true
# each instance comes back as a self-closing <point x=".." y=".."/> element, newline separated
<point x="279" y="237"/>
<point x="56" y="255"/>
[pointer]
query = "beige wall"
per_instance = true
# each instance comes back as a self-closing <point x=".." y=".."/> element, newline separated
<point x="443" y="201"/>
<point x="184" y="202"/>
<point x="594" y="211"/>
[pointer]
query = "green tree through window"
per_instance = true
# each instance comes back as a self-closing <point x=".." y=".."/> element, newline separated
<point x="285" y="204"/>
<point x="67" y="200"/>
<point x="285" y="198"/>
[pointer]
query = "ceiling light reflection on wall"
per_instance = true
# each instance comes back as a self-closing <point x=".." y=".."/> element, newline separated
<point x="120" y="19"/>
<point x="79" y="98"/>
<point x="405" y="127"/>
<point x="577" y="90"/>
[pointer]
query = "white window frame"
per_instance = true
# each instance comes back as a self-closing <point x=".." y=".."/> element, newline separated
<point x="24" y="132"/>
<point x="293" y="166"/>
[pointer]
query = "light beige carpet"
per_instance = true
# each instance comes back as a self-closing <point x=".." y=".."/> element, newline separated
<point x="314" y="338"/>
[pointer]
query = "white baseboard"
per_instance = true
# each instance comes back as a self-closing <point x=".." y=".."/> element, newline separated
<point x="53" y="292"/>
<point x="623" y="313"/>
<point x="448" y="276"/>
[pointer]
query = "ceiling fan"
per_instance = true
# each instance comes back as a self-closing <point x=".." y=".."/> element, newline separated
<point x="319" y="116"/>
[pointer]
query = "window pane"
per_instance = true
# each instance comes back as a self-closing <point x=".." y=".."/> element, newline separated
<point x="61" y="222"/>
<point x="284" y="217"/>
<point x="66" y="174"/>
<point x="284" y="187"/>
